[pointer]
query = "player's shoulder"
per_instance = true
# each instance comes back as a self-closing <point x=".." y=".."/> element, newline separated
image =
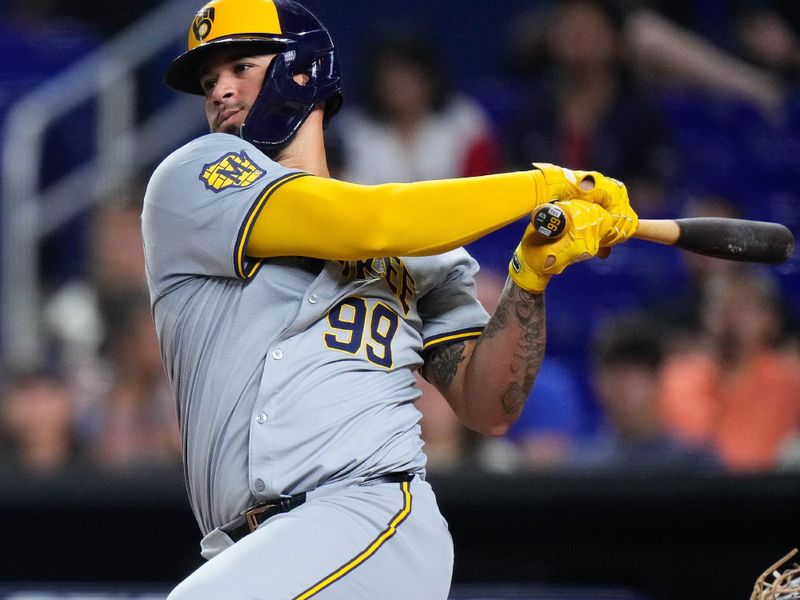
<point x="211" y="148"/>
<point x="214" y="162"/>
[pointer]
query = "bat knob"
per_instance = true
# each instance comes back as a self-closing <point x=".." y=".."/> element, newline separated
<point x="549" y="221"/>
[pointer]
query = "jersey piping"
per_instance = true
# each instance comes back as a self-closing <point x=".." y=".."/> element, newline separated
<point x="452" y="336"/>
<point x="368" y="552"/>
<point x="247" y="268"/>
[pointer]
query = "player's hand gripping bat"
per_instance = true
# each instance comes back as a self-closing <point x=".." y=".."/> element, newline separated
<point x="732" y="239"/>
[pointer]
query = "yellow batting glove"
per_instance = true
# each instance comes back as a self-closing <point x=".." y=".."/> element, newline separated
<point x="535" y="261"/>
<point x="613" y="196"/>
<point x="557" y="183"/>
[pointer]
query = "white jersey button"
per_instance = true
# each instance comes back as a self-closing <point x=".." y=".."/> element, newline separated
<point x="313" y="298"/>
<point x="260" y="485"/>
<point x="277" y="354"/>
<point x="261" y="418"/>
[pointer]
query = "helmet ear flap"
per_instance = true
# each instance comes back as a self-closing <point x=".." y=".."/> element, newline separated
<point x="283" y="104"/>
<point x="280" y="108"/>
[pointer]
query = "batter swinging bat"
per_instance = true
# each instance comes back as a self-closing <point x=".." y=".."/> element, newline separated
<point x="732" y="239"/>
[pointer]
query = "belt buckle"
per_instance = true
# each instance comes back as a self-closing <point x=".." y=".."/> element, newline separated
<point x="251" y="513"/>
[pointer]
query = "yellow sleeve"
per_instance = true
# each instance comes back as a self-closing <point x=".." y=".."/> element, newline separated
<point x="329" y="219"/>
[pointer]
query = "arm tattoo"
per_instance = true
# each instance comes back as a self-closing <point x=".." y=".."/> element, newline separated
<point x="442" y="364"/>
<point x="528" y="309"/>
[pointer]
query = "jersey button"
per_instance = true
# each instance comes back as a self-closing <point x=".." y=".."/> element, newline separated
<point x="261" y="418"/>
<point x="260" y="485"/>
<point x="313" y="298"/>
<point x="277" y="354"/>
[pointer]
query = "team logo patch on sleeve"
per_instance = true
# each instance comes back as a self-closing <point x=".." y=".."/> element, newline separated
<point x="233" y="169"/>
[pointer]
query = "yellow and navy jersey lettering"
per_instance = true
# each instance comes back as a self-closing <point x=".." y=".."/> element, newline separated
<point x="392" y="270"/>
<point x="356" y="326"/>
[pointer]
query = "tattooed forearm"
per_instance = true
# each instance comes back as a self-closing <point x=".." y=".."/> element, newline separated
<point x="443" y="364"/>
<point x="499" y="320"/>
<point x="528" y="312"/>
<point x="487" y="381"/>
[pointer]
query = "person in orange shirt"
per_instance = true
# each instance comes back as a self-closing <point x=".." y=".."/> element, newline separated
<point x="737" y="386"/>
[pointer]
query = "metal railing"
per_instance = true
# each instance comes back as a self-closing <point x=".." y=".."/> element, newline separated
<point x="30" y="210"/>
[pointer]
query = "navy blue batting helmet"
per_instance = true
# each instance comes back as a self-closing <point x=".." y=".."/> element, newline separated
<point x="283" y="27"/>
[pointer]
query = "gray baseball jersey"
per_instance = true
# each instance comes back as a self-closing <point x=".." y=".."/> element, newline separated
<point x="289" y="373"/>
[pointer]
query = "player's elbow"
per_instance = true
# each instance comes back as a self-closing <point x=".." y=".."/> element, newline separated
<point x="484" y="414"/>
<point x="495" y="427"/>
<point x="377" y="240"/>
<point x="381" y="233"/>
<point x="494" y="431"/>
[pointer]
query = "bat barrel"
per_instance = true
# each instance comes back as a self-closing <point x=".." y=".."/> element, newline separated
<point x="736" y="239"/>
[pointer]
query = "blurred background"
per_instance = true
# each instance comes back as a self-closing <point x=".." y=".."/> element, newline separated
<point x="658" y="456"/>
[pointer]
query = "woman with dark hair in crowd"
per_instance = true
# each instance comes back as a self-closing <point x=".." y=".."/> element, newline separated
<point x="412" y="125"/>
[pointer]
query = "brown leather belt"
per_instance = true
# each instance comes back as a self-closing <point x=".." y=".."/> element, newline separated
<point x="249" y="520"/>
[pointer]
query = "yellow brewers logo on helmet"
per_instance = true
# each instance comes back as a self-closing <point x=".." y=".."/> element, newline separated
<point x="226" y="19"/>
<point x="221" y="23"/>
<point x="233" y="169"/>
<point x="201" y="26"/>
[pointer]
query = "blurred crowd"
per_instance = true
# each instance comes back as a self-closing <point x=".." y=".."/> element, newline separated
<point x="656" y="359"/>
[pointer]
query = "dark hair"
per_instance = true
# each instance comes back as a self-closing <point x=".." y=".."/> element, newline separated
<point x="411" y="46"/>
<point x="758" y="278"/>
<point x="528" y="48"/>
<point x="633" y="340"/>
<point x="615" y="11"/>
<point x="122" y="310"/>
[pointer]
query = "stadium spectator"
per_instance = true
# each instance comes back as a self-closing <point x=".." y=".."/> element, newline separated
<point x="585" y="109"/>
<point x="623" y="49"/>
<point x="125" y="415"/>
<point x="680" y="311"/>
<point x="36" y="414"/>
<point x="411" y="125"/>
<point x="115" y="266"/>
<point x="663" y="52"/>
<point x="627" y="357"/>
<point x="737" y="386"/>
<point x="133" y="421"/>
<point x="767" y="39"/>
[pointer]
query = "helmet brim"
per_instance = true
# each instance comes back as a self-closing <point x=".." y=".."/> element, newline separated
<point x="183" y="74"/>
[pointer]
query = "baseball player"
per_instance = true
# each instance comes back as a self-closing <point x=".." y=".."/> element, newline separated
<point x="293" y="309"/>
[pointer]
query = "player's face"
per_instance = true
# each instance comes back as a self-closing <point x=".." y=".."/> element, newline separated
<point x="231" y="82"/>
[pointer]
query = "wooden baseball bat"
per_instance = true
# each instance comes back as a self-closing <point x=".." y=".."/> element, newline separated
<point x="731" y="239"/>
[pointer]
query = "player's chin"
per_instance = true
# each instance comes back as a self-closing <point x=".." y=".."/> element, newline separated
<point x="231" y="128"/>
